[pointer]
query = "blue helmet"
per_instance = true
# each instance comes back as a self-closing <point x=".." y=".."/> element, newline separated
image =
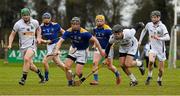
<point x="46" y="15"/>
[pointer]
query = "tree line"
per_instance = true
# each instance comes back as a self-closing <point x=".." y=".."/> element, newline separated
<point x="85" y="9"/>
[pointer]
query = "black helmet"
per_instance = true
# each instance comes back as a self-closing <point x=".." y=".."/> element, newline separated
<point x="76" y="20"/>
<point x="117" y="28"/>
<point x="155" y="13"/>
<point x="138" y="26"/>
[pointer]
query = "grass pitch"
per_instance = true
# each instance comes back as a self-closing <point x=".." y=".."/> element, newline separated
<point x="10" y="74"/>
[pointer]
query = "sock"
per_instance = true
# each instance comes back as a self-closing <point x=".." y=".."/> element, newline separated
<point x="70" y="82"/>
<point x="46" y="75"/>
<point x="159" y="78"/>
<point x="24" y="75"/>
<point x="80" y="75"/>
<point x="117" y="73"/>
<point x="39" y="74"/>
<point x="138" y="63"/>
<point x="96" y="77"/>
<point x="150" y="73"/>
<point x="132" y="77"/>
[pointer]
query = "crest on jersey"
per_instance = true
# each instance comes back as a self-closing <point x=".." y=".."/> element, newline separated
<point x="32" y="27"/>
<point x="28" y="29"/>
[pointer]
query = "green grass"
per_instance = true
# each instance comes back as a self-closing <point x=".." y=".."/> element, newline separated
<point x="57" y="85"/>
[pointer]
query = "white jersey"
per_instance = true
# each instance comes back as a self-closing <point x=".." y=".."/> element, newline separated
<point x="159" y="30"/>
<point x="128" y="38"/>
<point x="26" y="32"/>
<point x="128" y="44"/>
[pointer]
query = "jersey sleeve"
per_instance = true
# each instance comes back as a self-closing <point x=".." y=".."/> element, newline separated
<point x="36" y="24"/>
<point x="15" y="28"/>
<point x="87" y="35"/>
<point x="165" y="36"/>
<point x="108" y="33"/>
<point x="128" y="33"/>
<point x="94" y="32"/>
<point x="58" y="27"/>
<point x="65" y="35"/>
<point x="112" y="39"/>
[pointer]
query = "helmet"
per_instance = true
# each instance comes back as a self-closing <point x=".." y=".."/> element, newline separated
<point x="117" y="28"/>
<point x="138" y="26"/>
<point x="75" y="20"/>
<point x="46" y="15"/>
<point x="25" y="12"/>
<point x="155" y="13"/>
<point x="101" y="17"/>
<point x="46" y="18"/>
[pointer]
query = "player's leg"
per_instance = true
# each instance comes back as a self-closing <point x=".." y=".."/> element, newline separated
<point x="97" y="57"/>
<point x="152" y="57"/>
<point x="46" y="66"/>
<point x="129" y="62"/>
<point x="147" y="61"/>
<point x="114" y="70"/>
<point x="69" y="75"/>
<point x="160" y="74"/>
<point x="58" y="62"/>
<point x="46" y="58"/>
<point x="122" y="59"/>
<point x="79" y="67"/>
<point x="155" y="65"/>
<point x="27" y="55"/>
<point x="35" y="69"/>
<point x="161" y="58"/>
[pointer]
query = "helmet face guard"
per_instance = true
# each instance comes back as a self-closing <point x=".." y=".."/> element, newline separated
<point x="46" y="17"/>
<point x="75" y="20"/>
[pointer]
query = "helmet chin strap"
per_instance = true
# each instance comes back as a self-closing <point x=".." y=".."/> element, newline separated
<point x="156" y="22"/>
<point x="46" y="23"/>
<point x="26" y="21"/>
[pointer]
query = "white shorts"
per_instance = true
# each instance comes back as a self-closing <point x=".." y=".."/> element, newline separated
<point x="110" y="55"/>
<point x="23" y="50"/>
<point x="50" y="48"/>
<point x="160" y="54"/>
<point x="79" y="56"/>
<point x="129" y="50"/>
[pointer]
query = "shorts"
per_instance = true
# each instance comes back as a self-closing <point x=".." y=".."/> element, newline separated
<point x="128" y="50"/>
<point x="50" y="48"/>
<point x="23" y="50"/>
<point x="160" y="54"/>
<point x="80" y="56"/>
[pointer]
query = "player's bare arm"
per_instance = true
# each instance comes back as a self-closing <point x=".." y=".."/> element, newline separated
<point x="96" y="43"/>
<point x="38" y="32"/>
<point x="11" y="38"/>
<point x="58" y="45"/>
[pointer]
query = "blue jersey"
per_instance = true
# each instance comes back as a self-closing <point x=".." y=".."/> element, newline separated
<point x="103" y="35"/>
<point x="51" y="31"/>
<point x="80" y="39"/>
